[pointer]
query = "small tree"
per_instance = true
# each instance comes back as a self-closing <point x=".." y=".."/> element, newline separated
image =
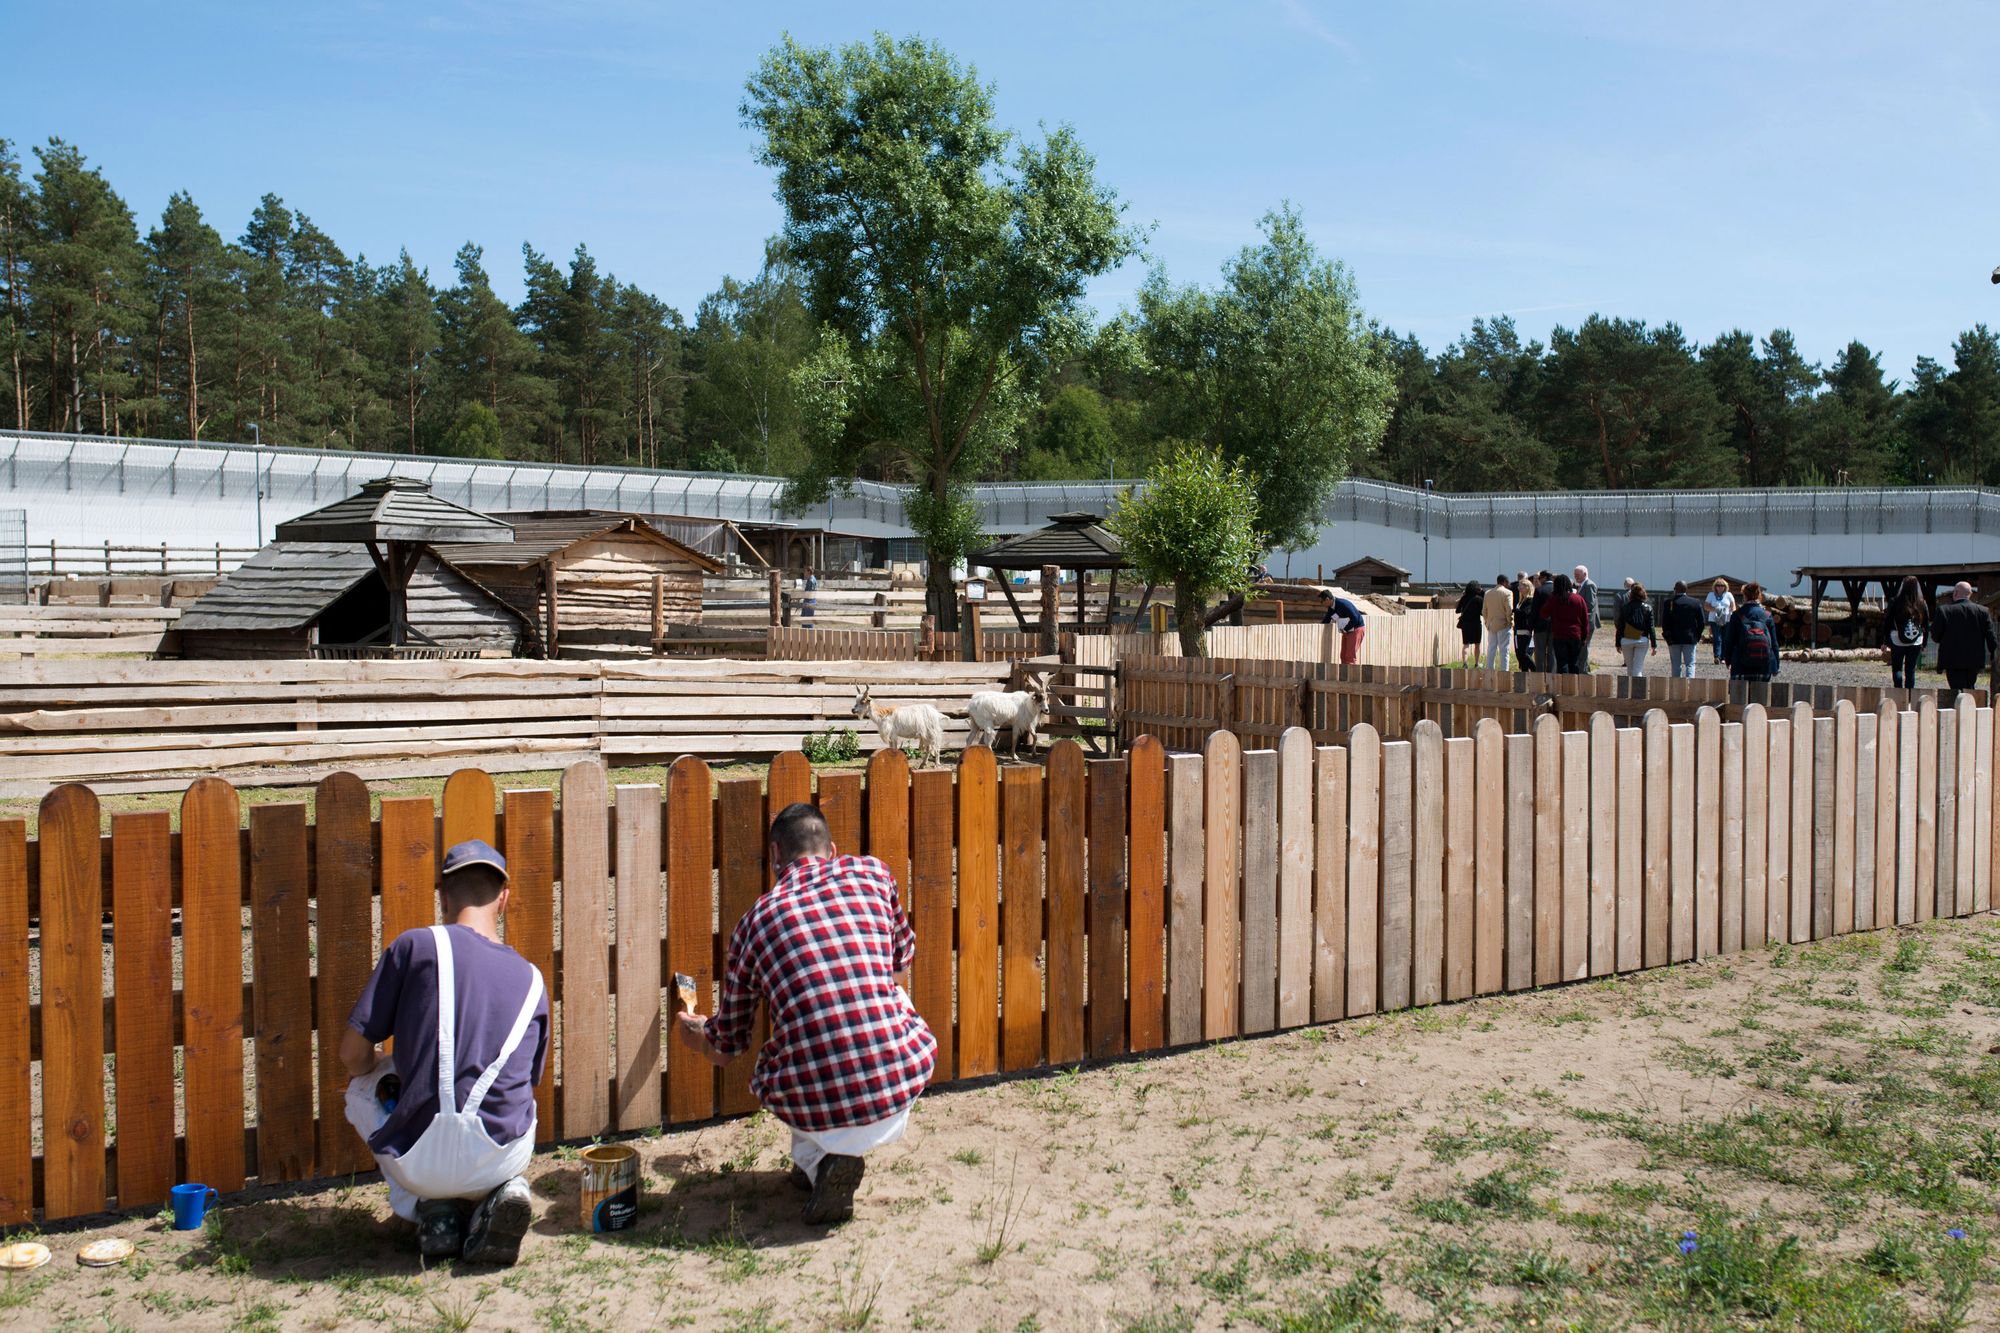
<point x="1194" y="526"/>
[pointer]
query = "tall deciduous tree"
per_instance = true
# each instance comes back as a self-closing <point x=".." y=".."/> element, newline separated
<point x="1193" y="526"/>
<point x="747" y="339"/>
<point x="1278" y="368"/>
<point x="945" y="271"/>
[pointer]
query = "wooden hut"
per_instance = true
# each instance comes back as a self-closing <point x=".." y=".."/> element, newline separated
<point x="1076" y="541"/>
<point x="590" y="578"/>
<point x="328" y="599"/>
<point x="1372" y="574"/>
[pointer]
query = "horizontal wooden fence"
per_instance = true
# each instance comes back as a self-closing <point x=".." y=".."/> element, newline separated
<point x="1079" y="911"/>
<point x="1183" y="701"/>
<point x="153" y="726"/>
<point x="62" y="630"/>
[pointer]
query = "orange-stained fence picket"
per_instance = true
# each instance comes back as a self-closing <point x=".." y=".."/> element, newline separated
<point x="1081" y="909"/>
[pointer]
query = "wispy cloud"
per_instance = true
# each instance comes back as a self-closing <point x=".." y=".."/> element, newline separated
<point x="1300" y="18"/>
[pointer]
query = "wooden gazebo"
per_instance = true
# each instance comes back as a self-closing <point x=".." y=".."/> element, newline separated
<point x="1076" y="541"/>
<point x="397" y="519"/>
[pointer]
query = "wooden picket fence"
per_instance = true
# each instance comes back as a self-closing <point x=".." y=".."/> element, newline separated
<point x="1182" y="701"/>
<point x="814" y="644"/>
<point x="1078" y="911"/>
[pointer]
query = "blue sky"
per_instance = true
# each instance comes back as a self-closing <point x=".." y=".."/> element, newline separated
<point x="1831" y="168"/>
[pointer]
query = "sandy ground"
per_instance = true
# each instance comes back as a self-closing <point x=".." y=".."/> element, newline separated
<point x="1820" y="1117"/>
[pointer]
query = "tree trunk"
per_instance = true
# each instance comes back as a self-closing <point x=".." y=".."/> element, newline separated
<point x="1193" y="624"/>
<point x="940" y="592"/>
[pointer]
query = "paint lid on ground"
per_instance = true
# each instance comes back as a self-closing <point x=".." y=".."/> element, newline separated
<point x="23" y="1255"/>
<point x="105" y="1253"/>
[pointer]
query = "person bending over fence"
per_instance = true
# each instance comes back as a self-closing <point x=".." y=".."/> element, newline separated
<point x="451" y="1117"/>
<point x="826" y="949"/>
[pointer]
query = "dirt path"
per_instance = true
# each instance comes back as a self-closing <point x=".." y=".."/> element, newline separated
<point x="1820" y="1117"/>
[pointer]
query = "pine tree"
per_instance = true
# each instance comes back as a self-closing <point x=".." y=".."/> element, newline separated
<point x="408" y="309"/>
<point x="85" y="261"/>
<point x="190" y="276"/>
<point x="16" y="235"/>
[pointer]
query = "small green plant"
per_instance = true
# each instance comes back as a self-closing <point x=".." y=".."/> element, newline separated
<point x="836" y="745"/>
<point x="1002" y="1219"/>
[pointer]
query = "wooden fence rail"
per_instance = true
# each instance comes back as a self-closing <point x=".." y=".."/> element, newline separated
<point x="1082" y="910"/>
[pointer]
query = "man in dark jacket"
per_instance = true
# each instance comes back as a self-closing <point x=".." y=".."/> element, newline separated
<point x="1545" y="634"/>
<point x="1963" y="631"/>
<point x="1681" y="627"/>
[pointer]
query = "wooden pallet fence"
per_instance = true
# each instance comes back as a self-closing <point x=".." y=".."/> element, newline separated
<point x="154" y="726"/>
<point x="1414" y="639"/>
<point x="1080" y="910"/>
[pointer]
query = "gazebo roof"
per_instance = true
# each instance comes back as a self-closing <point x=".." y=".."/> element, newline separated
<point x="394" y="509"/>
<point x="1070" y="541"/>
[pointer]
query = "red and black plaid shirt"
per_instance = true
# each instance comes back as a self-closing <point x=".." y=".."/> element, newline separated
<point x="823" y="948"/>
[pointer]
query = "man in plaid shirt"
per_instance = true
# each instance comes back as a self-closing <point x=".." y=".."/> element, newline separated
<point x="826" y="948"/>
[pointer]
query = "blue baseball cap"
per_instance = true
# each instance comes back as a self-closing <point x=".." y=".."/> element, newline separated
<point x="473" y="852"/>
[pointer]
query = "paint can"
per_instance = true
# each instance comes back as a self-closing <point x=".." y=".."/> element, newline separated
<point x="610" y="1193"/>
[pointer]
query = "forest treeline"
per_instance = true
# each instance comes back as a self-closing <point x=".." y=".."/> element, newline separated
<point x="177" y="332"/>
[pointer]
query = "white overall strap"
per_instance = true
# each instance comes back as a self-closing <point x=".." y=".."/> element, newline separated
<point x="447" y="1030"/>
<point x="474" y="1098"/>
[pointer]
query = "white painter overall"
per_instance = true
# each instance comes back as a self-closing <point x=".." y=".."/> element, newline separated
<point x="454" y="1158"/>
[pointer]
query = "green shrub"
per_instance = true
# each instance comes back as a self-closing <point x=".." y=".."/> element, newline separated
<point x="836" y="745"/>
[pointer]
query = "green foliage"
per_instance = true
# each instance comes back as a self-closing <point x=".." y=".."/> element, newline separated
<point x="1277" y="368"/>
<point x="1076" y="439"/>
<point x="946" y="273"/>
<point x="474" y="433"/>
<point x="835" y="745"/>
<point x="1193" y="526"/>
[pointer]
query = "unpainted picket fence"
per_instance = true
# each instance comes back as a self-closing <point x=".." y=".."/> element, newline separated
<point x="1080" y="910"/>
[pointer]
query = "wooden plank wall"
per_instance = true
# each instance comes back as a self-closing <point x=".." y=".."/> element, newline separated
<point x="1102" y="907"/>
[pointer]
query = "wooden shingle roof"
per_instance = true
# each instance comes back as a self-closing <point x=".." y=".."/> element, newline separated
<point x="1070" y="541"/>
<point x="394" y="509"/>
<point x="284" y="586"/>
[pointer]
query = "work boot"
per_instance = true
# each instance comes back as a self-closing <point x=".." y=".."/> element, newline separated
<point x="833" y="1189"/>
<point x="800" y="1181"/>
<point x="498" y="1223"/>
<point x="440" y="1228"/>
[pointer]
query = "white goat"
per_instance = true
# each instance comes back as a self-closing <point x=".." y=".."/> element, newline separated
<point x="904" y="724"/>
<point x="1020" y="712"/>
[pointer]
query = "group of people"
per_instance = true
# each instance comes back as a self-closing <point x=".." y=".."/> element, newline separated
<point x="1961" y="628"/>
<point x="450" y="1113"/>
<point x="1546" y="621"/>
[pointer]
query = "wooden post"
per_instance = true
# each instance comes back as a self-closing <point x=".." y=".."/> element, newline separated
<point x="549" y="602"/>
<point x="775" y="583"/>
<point x="927" y="639"/>
<point x="1160" y="618"/>
<point x="659" y="611"/>
<point x="1051" y="589"/>
<point x="970" y="644"/>
<point x="880" y="619"/>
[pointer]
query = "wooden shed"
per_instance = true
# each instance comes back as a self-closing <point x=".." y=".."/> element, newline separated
<point x="590" y="578"/>
<point x="1371" y="573"/>
<point x="313" y="599"/>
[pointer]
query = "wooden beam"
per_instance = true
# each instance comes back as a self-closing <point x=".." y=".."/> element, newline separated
<point x="1007" y="587"/>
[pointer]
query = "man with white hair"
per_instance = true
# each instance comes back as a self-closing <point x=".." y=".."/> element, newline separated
<point x="1586" y="588"/>
<point x="1966" y="642"/>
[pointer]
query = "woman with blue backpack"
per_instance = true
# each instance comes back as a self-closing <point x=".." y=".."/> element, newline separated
<point x="1750" y="639"/>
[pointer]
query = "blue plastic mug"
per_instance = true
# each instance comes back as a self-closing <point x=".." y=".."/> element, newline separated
<point x="191" y="1202"/>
